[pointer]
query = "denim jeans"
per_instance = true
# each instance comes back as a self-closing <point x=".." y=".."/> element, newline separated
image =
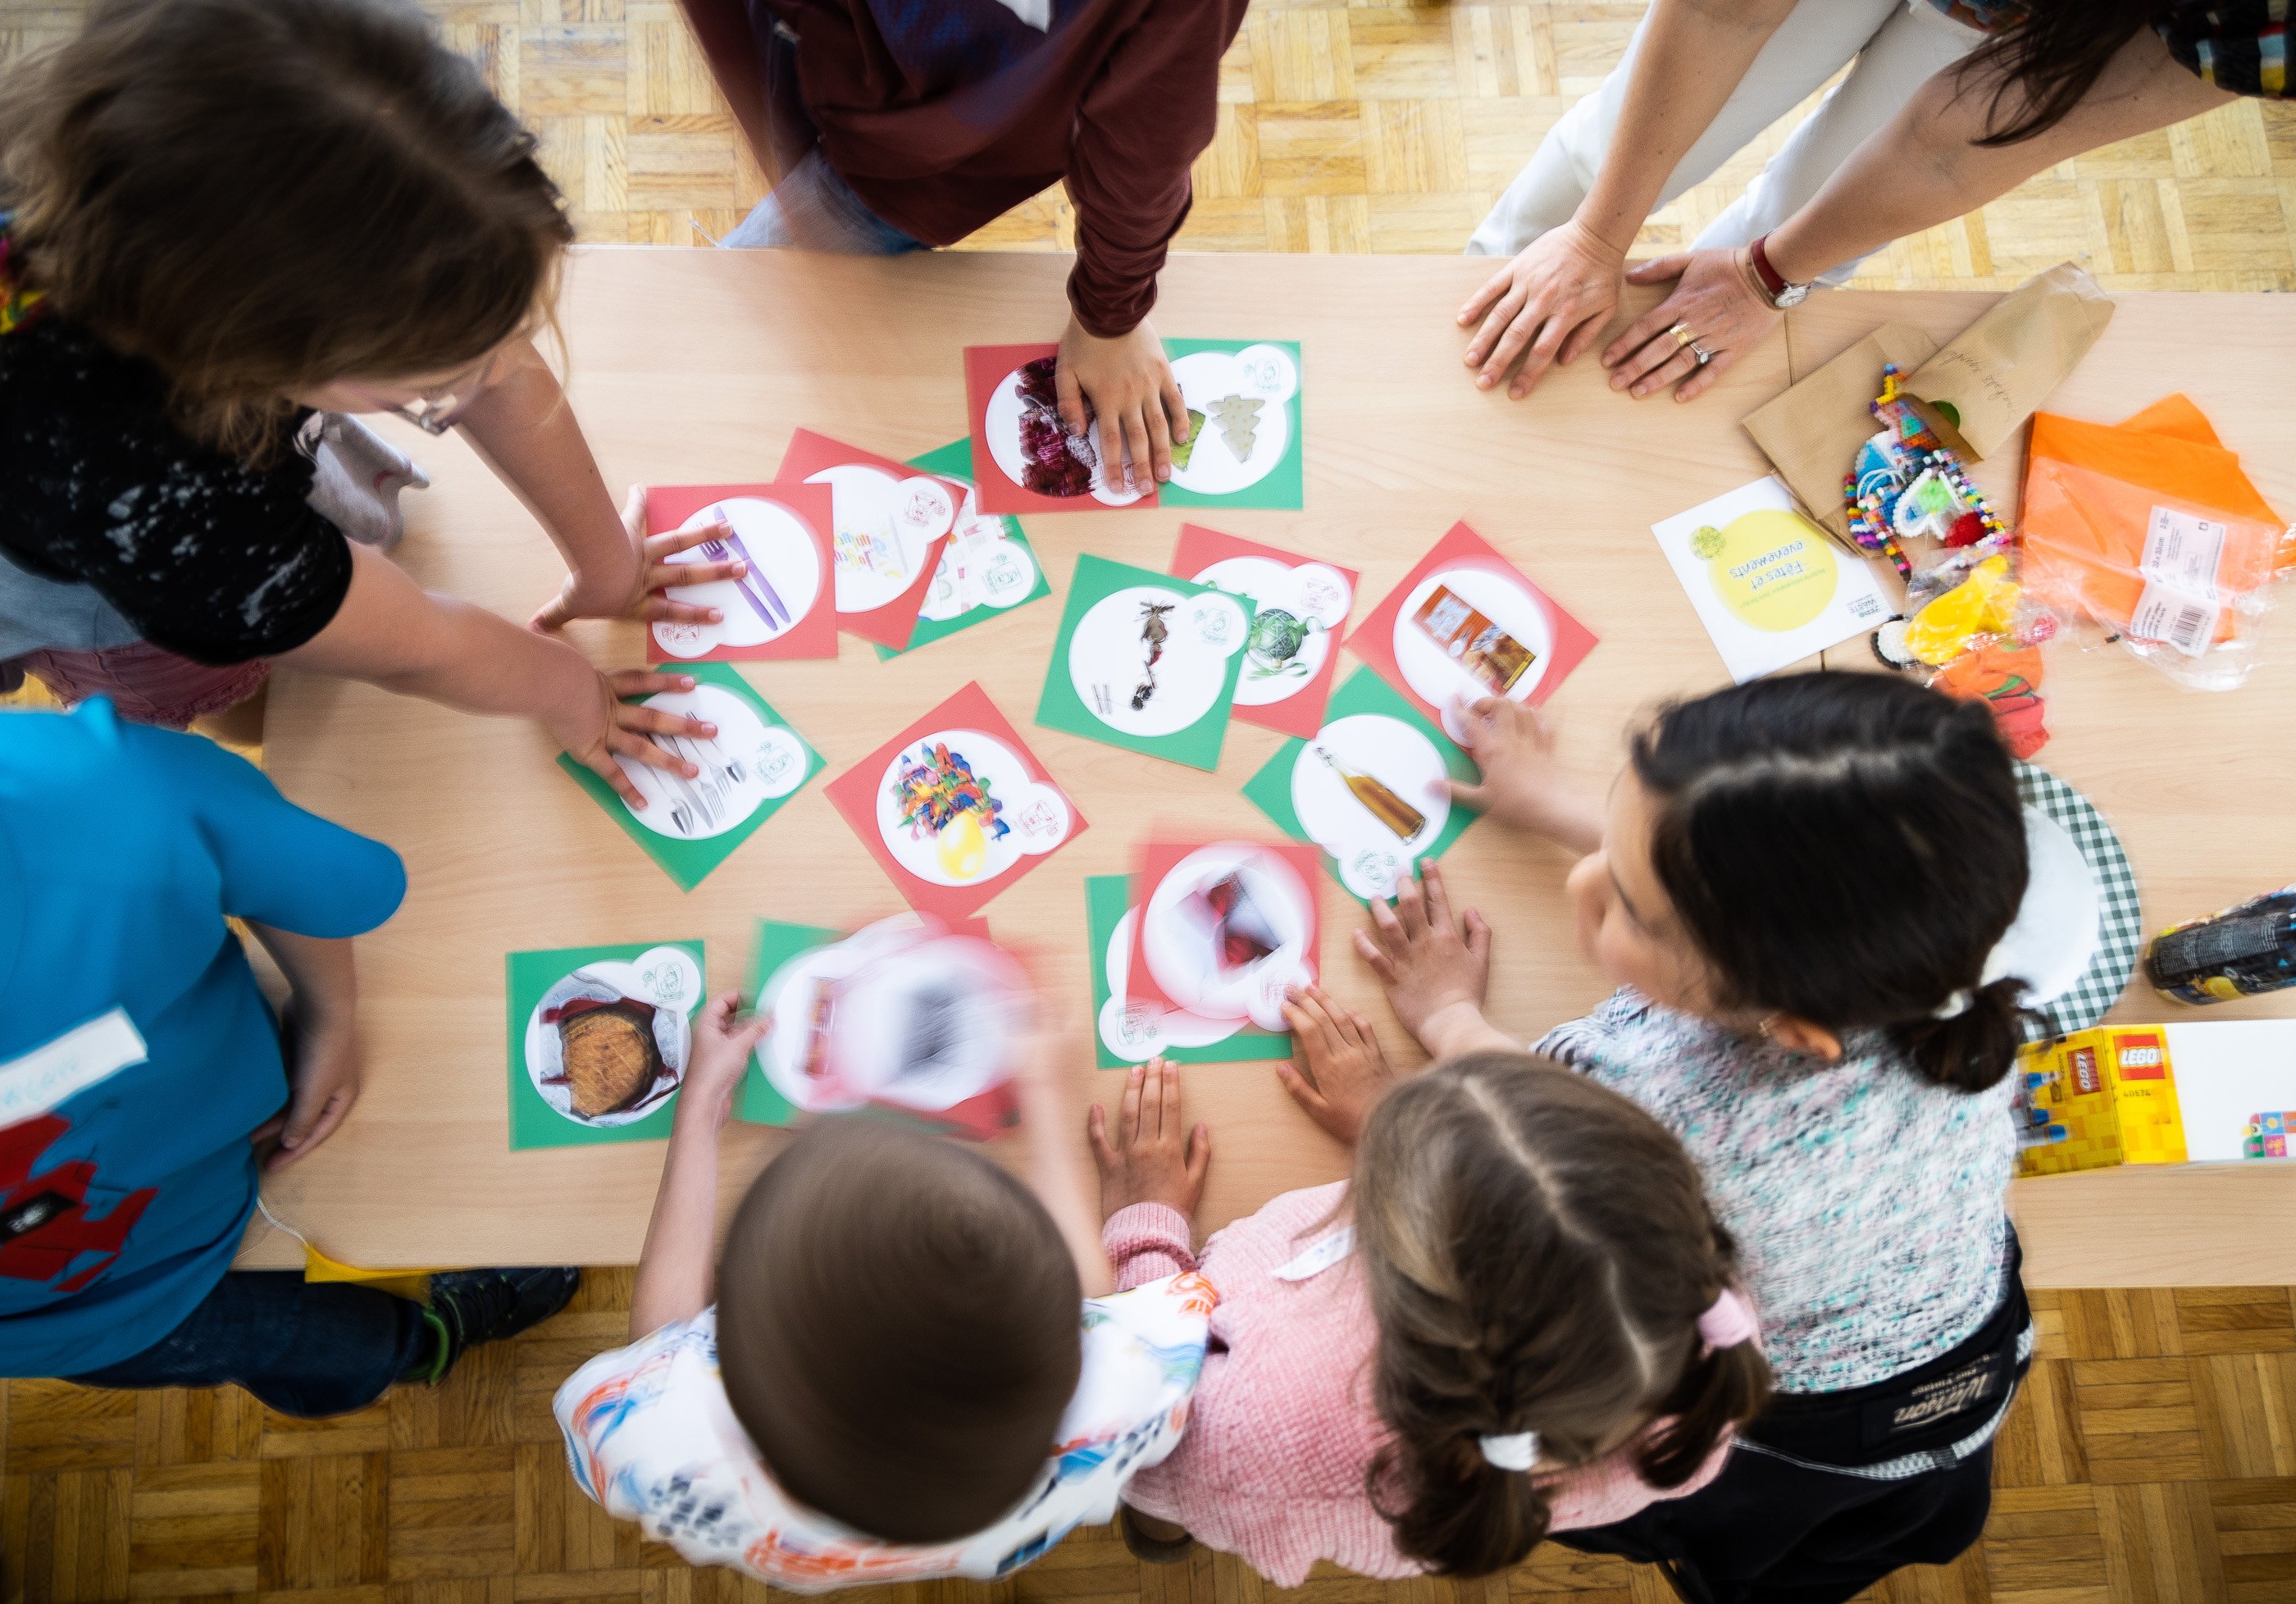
<point x="305" y="1348"/>
<point x="812" y="209"/>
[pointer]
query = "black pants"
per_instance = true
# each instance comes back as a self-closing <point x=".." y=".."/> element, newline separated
<point x="1790" y="1521"/>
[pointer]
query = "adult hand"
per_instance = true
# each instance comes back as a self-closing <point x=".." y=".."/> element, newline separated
<point x="1338" y="1071"/>
<point x="1147" y="1158"/>
<point x="1514" y="746"/>
<point x="576" y="598"/>
<point x="719" y="1058"/>
<point x="1429" y="961"/>
<point x="323" y="1082"/>
<point x="1124" y="388"/>
<point x="1545" y="306"/>
<point x="1715" y="304"/>
<point x="611" y="726"/>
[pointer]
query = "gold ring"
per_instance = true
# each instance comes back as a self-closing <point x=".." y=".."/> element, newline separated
<point x="1682" y="337"/>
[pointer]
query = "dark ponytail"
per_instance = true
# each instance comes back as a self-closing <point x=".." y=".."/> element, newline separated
<point x="1847" y="848"/>
<point x="2044" y="58"/>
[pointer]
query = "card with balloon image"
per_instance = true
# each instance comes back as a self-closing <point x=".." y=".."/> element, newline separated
<point x="1024" y="459"/>
<point x="955" y="808"/>
<point x="1300" y="613"/>
<point x="1146" y="662"/>
<point x="1130" y="1030"/>
<point x="889" y="526"/>
<point x="987" y="568"/>
<point x="599" y="1037"/>
<point x="1225" y="927"/>
<point x="784" y="606"/>
<point x="1243" y="448"/>
<point x="1368" y="788"/>
<point x="1465" y="624"/>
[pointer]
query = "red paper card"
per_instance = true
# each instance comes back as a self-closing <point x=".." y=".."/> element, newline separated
<point x="917" y="803"/>
<point x="784" y="607"/>
<point x="1008" y="424"/>
<point x="889" y="527"/>
<point x="1287" y="672"/>
<point x="1225" y="927"/>
<point x="1460" y="626"/>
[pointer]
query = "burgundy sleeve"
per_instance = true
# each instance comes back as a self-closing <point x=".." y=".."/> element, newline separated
<point x="1139" y="129"/>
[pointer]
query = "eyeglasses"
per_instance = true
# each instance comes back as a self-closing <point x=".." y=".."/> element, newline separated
<point x="438" y="411"/>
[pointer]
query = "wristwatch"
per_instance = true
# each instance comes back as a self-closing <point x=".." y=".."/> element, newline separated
<point x="1774" y="284"/>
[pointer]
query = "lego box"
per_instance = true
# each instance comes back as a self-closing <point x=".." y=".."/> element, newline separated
<point x="2098" y="1098"/>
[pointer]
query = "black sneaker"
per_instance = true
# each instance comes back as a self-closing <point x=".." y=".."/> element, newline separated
<point x="471" y="1306"/>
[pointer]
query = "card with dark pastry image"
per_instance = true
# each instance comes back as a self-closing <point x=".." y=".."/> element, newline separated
<point x="598" y="1040"/>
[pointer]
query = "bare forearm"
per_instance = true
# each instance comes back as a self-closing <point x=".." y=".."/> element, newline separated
<point x="525" y="430"/>
<point x="677" y="1271"/>
<point x="1460" y="1028"/>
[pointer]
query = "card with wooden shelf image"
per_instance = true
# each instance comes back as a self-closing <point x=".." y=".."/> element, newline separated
<point x="955" y="808"/>
<point x="1368" y="788"/>
<point x="987" y="569"/>
<point x="598" y="1040"/>
<point x="908" y="1015"/>
<point x="1226" y="929"/>
<point x="1146" y="662"/>
<point x="754" y="763"/>
<point x="1465" y="624"/>
<point x="1024" y="459"/>
<point x="1244" y="447"/>
<point x="1128" y="1030"/>
<point x="784" y="606"/>
<point x="889" y="526"/>
<point x="1300" y="608"/>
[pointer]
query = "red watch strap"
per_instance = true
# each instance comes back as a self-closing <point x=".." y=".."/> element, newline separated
<point x="1772" y="279"/>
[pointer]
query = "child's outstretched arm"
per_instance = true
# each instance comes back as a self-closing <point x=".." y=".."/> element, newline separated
<point x="1053" y="1173"/>
<point x="677" y="1271"/>
<point x="1148" y="1154"/>
<point x="1514" y="746"/>
<point x="1436" y="968"/>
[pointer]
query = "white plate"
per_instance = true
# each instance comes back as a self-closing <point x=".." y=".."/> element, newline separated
<point x="1179" y="948"/>
<point x="782" y="552"/>
<point x="884" y="526"/>
<point x="1369" y="855"/>
<point x="665" y="977"/>
<point x="2059" y="924"/>
<point x="1318" y="594"/>
<point x="1108" y="657"/>
<point x="1036" y="817"/>
<point x="1431" y="672"/>
<point x="1000" y="424"/>
<point x="747" y="764"/>
<point x="1264" y="374"/>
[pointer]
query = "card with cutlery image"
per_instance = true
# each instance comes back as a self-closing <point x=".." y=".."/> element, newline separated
<point x="754" y="763"/>
<point x="889" y="524"/>
<point x="785" y="605"/>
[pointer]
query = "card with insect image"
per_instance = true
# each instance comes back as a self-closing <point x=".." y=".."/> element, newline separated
<point x="891" y="525"/>
<point x="754" y="763"/>
<point x="1146" y="662"/>
<point x="987" y="569"/>
<point x="1300" y="608"/>
<point x="784" y="606"/>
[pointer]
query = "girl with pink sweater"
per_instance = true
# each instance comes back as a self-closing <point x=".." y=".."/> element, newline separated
<point x="1518" y="1317"/>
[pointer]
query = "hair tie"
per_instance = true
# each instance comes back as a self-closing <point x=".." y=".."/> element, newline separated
<point x="1511" y="1451"/>
<point x="1728" y="1321"/>
<point x="1955" y="1006"/>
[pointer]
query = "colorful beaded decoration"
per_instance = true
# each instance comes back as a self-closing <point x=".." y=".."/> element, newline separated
<point x="1875" y="494"/>
<point x="17" y="304"/>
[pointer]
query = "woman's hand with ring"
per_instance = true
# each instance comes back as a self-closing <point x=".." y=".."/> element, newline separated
<point x="1714" y="302"/>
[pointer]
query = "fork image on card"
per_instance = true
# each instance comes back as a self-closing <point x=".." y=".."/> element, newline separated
<point x="763" y="599"/>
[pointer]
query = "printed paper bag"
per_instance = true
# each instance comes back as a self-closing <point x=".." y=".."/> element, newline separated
<point x="1990" y="378"/>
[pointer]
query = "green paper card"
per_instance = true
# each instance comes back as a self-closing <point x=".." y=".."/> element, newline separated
<point x="988" y="567"/>
<point x="1146" y="662"/>
<point x="756" y="762"/>
<point x="1368" y="788"/>
<point x="1132" y="1034"/>
<point x="1243" y="446"/>
<point x="760" y="1100"/>
<point x="598" y="1041"/>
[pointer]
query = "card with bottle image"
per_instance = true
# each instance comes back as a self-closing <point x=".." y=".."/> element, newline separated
<point x="1299" y="614"/>
<point x="987" y="569"/>
<point x="785" y="605"/>
<point x="1146" y="662"/>
<point x="890" y="524"/>
<point x="1226" y="926"/>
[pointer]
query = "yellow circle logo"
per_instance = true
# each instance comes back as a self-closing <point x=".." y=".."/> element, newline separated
<point x="1774" y="569"/>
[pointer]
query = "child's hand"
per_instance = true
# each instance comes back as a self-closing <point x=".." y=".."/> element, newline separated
<point x="654" y="573"/>
<point x="1435" y="968"/>
<point x="1522" y="785"/>
<point x="719" y="1058"/>
<point x="1339" y="1070"/>
<point x="1147" y="1160"/>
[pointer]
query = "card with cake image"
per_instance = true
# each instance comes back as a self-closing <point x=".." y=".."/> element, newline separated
<point x="1146" y="662"/>
<point x="598" y="1040"/>
<point x="889" y="526"/>
<point x="1225" y="927"/>
<point x="754" y="763"/>
<point x="1464" y="625"/>
<point x="987" y="568"/>
<point x="1243" y="448"/>
<point x="784" y="606"/>
<point x="1368" y="788"/>
<point x="1300" y="612"/>
<point x="1024" y="459"/>
<point x="1130" y="1030"/>
<point x="955" y="807"/>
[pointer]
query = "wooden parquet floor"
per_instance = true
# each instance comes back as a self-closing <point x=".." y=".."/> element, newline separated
<point x="2151" y="1458"/>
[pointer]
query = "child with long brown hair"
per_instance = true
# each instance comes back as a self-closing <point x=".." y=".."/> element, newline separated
<point x="1518" y="1317"/>
<point x="223" y="222"/>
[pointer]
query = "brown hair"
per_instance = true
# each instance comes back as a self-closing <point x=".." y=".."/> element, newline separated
<point x="2046" y="56"/>
<point x="897" y="1328"/>
<point x="1538" y="1251"/>
<point x="263" y="196"/>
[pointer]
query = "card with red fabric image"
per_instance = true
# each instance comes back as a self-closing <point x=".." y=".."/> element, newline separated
<point x="785" y="605"/>
<point x="1024" y="459"/>
<point x="1302" y="606"/>
<point x="1225" y="927"/>
<point x="1464" y="625"/>
<point x="889" y="526"/>
<point x="955" y="807"/>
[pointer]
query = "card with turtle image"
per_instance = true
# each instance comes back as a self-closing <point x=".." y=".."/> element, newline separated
<point x="1243" y="448"/>
<point x="599" y="1038"/>
<point x="1146" y="662"/>
<point x="987" y="569"/>
<point x="1126" y="1031"/>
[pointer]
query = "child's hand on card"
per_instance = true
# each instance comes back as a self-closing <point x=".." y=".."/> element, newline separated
<point x="655" y="573"/>
<point x="1522" y="785"/>
<point x="1339" y="1070"/>
<point x="1150" y="1157"/>
<point x="1436" y="967"/>
<point x="718" y="1058"/>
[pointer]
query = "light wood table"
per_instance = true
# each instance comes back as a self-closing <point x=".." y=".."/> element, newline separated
<point x="694" y="366"/>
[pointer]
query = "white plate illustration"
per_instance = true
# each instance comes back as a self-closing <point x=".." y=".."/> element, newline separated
<point x="781" y="587"/>
<point x="884" y="526"/>
<point x="1224" y="387"/>
<point x="1298" y="608"/>
<point x="1137" y="1032"/>
<point x="1432" y="672"/>
<point x="2059" y="924"/>
<point x="950" y="844"/>
<point x="1361" y="835"/>
<point x="981" y="566"/>
<point x="747" y="764"/>
<point x="1180" y="938"/>
<point x="665" y="977"/>
<point x="1001" y="422"/>
<point x="1109" y="656"/>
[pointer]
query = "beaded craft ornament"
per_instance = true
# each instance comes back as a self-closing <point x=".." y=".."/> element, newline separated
<point x="1908" y="483"/>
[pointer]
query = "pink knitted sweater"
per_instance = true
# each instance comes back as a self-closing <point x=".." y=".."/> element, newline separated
<point x="1282" y="1427"/>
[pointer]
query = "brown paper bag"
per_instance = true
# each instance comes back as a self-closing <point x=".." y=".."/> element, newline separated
<point x="1979" y="390"/>
<point x="1812" y="432"/>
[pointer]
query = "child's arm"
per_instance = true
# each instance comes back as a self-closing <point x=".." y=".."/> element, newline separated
<point x="1514" y="746"/>
<point x="323" y="1065"/>
<point x="677" y="1269"/>
<point x="1053" y="1170"/>
<point x="1436" y="968"/>
<point x="1151" y="1172"/>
